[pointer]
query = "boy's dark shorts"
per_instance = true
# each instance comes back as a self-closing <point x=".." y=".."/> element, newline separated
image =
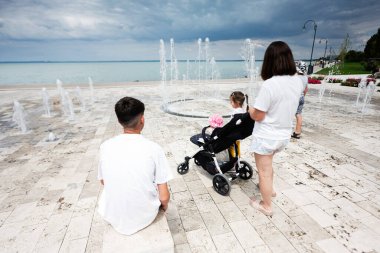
<point x="300" y="105"/>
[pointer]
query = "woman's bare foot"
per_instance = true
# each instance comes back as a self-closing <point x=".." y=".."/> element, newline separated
<point x="258" y="206"/>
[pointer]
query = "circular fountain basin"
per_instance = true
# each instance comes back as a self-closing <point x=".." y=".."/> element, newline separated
<point x="198" y="108"/>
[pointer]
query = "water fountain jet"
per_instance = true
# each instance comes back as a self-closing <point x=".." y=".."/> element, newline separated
<point x="60" y="89"/>
<point x="248" y="55"/>
<point x="370" y="90"/>
<point x="362" y="88"/>
<point x="51" y="137"/>
<point x="207" y="59"/>
<point x="199" y="59"/>
<point x="163" y="68"/>
<point x="45" y="100"/>
<point x="19" y="116"/>
<point x="67" y="105"/>
<point x="80" y="98"/>
<point x="91" y="84"/>
<point x="202" y="97"/>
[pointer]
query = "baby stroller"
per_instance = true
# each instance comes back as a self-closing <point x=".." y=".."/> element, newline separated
<point x="226" y="137"/>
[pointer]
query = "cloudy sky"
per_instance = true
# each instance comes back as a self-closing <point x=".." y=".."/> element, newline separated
<point x="57" y="30"/>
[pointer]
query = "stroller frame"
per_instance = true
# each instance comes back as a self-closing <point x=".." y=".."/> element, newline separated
<point x="221" y="182"/>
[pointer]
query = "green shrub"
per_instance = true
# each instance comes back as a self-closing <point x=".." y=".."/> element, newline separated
<point x="371" y="65"/>
<point x="334" y="80"/>
<point x="320" y="78"/>
<point x="351" y="82"/>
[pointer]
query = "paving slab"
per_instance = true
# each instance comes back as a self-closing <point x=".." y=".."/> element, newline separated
<point x="327" y="182"/>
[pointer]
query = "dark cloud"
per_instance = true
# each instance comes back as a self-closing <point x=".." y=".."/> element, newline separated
<point x="186" y="20"/>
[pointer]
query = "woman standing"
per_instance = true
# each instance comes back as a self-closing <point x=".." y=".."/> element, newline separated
<point x="273" y="111"/>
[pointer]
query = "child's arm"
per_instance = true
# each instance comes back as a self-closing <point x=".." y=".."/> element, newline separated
<point x="256" y="115"/>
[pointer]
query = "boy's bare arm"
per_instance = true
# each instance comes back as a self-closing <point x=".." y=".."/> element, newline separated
<point x="164" y="195"/>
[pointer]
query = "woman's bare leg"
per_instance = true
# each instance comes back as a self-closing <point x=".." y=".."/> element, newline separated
<point x="264" y="166"/>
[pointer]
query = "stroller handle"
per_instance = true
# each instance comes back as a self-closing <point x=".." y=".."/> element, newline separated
<point x="205" y="138"/>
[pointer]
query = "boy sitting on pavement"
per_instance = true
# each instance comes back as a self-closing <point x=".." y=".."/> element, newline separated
<point x="134" y="172"/>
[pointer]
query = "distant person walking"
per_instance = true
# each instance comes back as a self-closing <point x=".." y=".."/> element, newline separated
<point x="301" y="70"/>
<point x="273" y="111"/>
<point x="134" y="172"/>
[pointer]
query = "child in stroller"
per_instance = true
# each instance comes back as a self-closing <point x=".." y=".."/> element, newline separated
<point x="239" y="127"/>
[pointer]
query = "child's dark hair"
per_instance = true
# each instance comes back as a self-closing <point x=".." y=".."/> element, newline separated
<point x="127" y="111"/>
<point x="238" y="97"/>
<point x="278" y="61"/>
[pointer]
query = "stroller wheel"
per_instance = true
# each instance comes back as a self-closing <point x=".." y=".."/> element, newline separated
<point x="183" y="168"/>
<point x="245" y="170"/>
<point x="222" y="184"/>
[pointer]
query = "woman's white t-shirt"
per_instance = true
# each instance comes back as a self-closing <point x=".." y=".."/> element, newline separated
<point x="278" y="97"/>
<point x="131" y="167"/>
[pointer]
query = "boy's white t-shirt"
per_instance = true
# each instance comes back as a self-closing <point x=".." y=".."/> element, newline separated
<point x="131" y="167"/>
<point x="304" y="80"/>
<point x="278" y="97"/>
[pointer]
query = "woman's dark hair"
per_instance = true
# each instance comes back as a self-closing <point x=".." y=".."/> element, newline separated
<point x="128" y="110"/>
<point x="278" y="61"/>
<point x="238" y="97"/>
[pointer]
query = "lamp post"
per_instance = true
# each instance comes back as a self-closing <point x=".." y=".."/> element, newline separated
<point x="310" y="68"/>
<point x="324" y="55"/>
<point x="330" y="59"/>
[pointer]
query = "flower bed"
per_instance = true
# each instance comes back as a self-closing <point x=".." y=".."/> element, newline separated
<point x="354" y="82"/>
<point x="371" y="80"/>
<point x="313" y="80"/>
<point x="334" y="80"/>
<point x="351" y="82"/>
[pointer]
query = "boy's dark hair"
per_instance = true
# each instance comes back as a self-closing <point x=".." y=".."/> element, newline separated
<point x="238" y="97"/>
<point x="278" y="61"/>
<point x="128" y="110"/>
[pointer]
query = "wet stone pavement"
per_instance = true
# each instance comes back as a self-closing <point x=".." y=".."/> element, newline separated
<point x="327" y="182"/>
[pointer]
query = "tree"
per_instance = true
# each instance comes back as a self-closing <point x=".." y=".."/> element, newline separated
<point x="372" y="53"/>
<point x="354" y="56"/>
<point x="372" y="48"/>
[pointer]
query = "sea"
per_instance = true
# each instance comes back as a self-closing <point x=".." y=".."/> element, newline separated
<point x="114" y="72"/>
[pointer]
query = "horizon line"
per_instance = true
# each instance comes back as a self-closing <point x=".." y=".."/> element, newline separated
<point x="84" y="61"/>
<point x="105" y="61"/>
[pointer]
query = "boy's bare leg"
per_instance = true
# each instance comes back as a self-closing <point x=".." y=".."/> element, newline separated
<point x="298" y="124"/>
